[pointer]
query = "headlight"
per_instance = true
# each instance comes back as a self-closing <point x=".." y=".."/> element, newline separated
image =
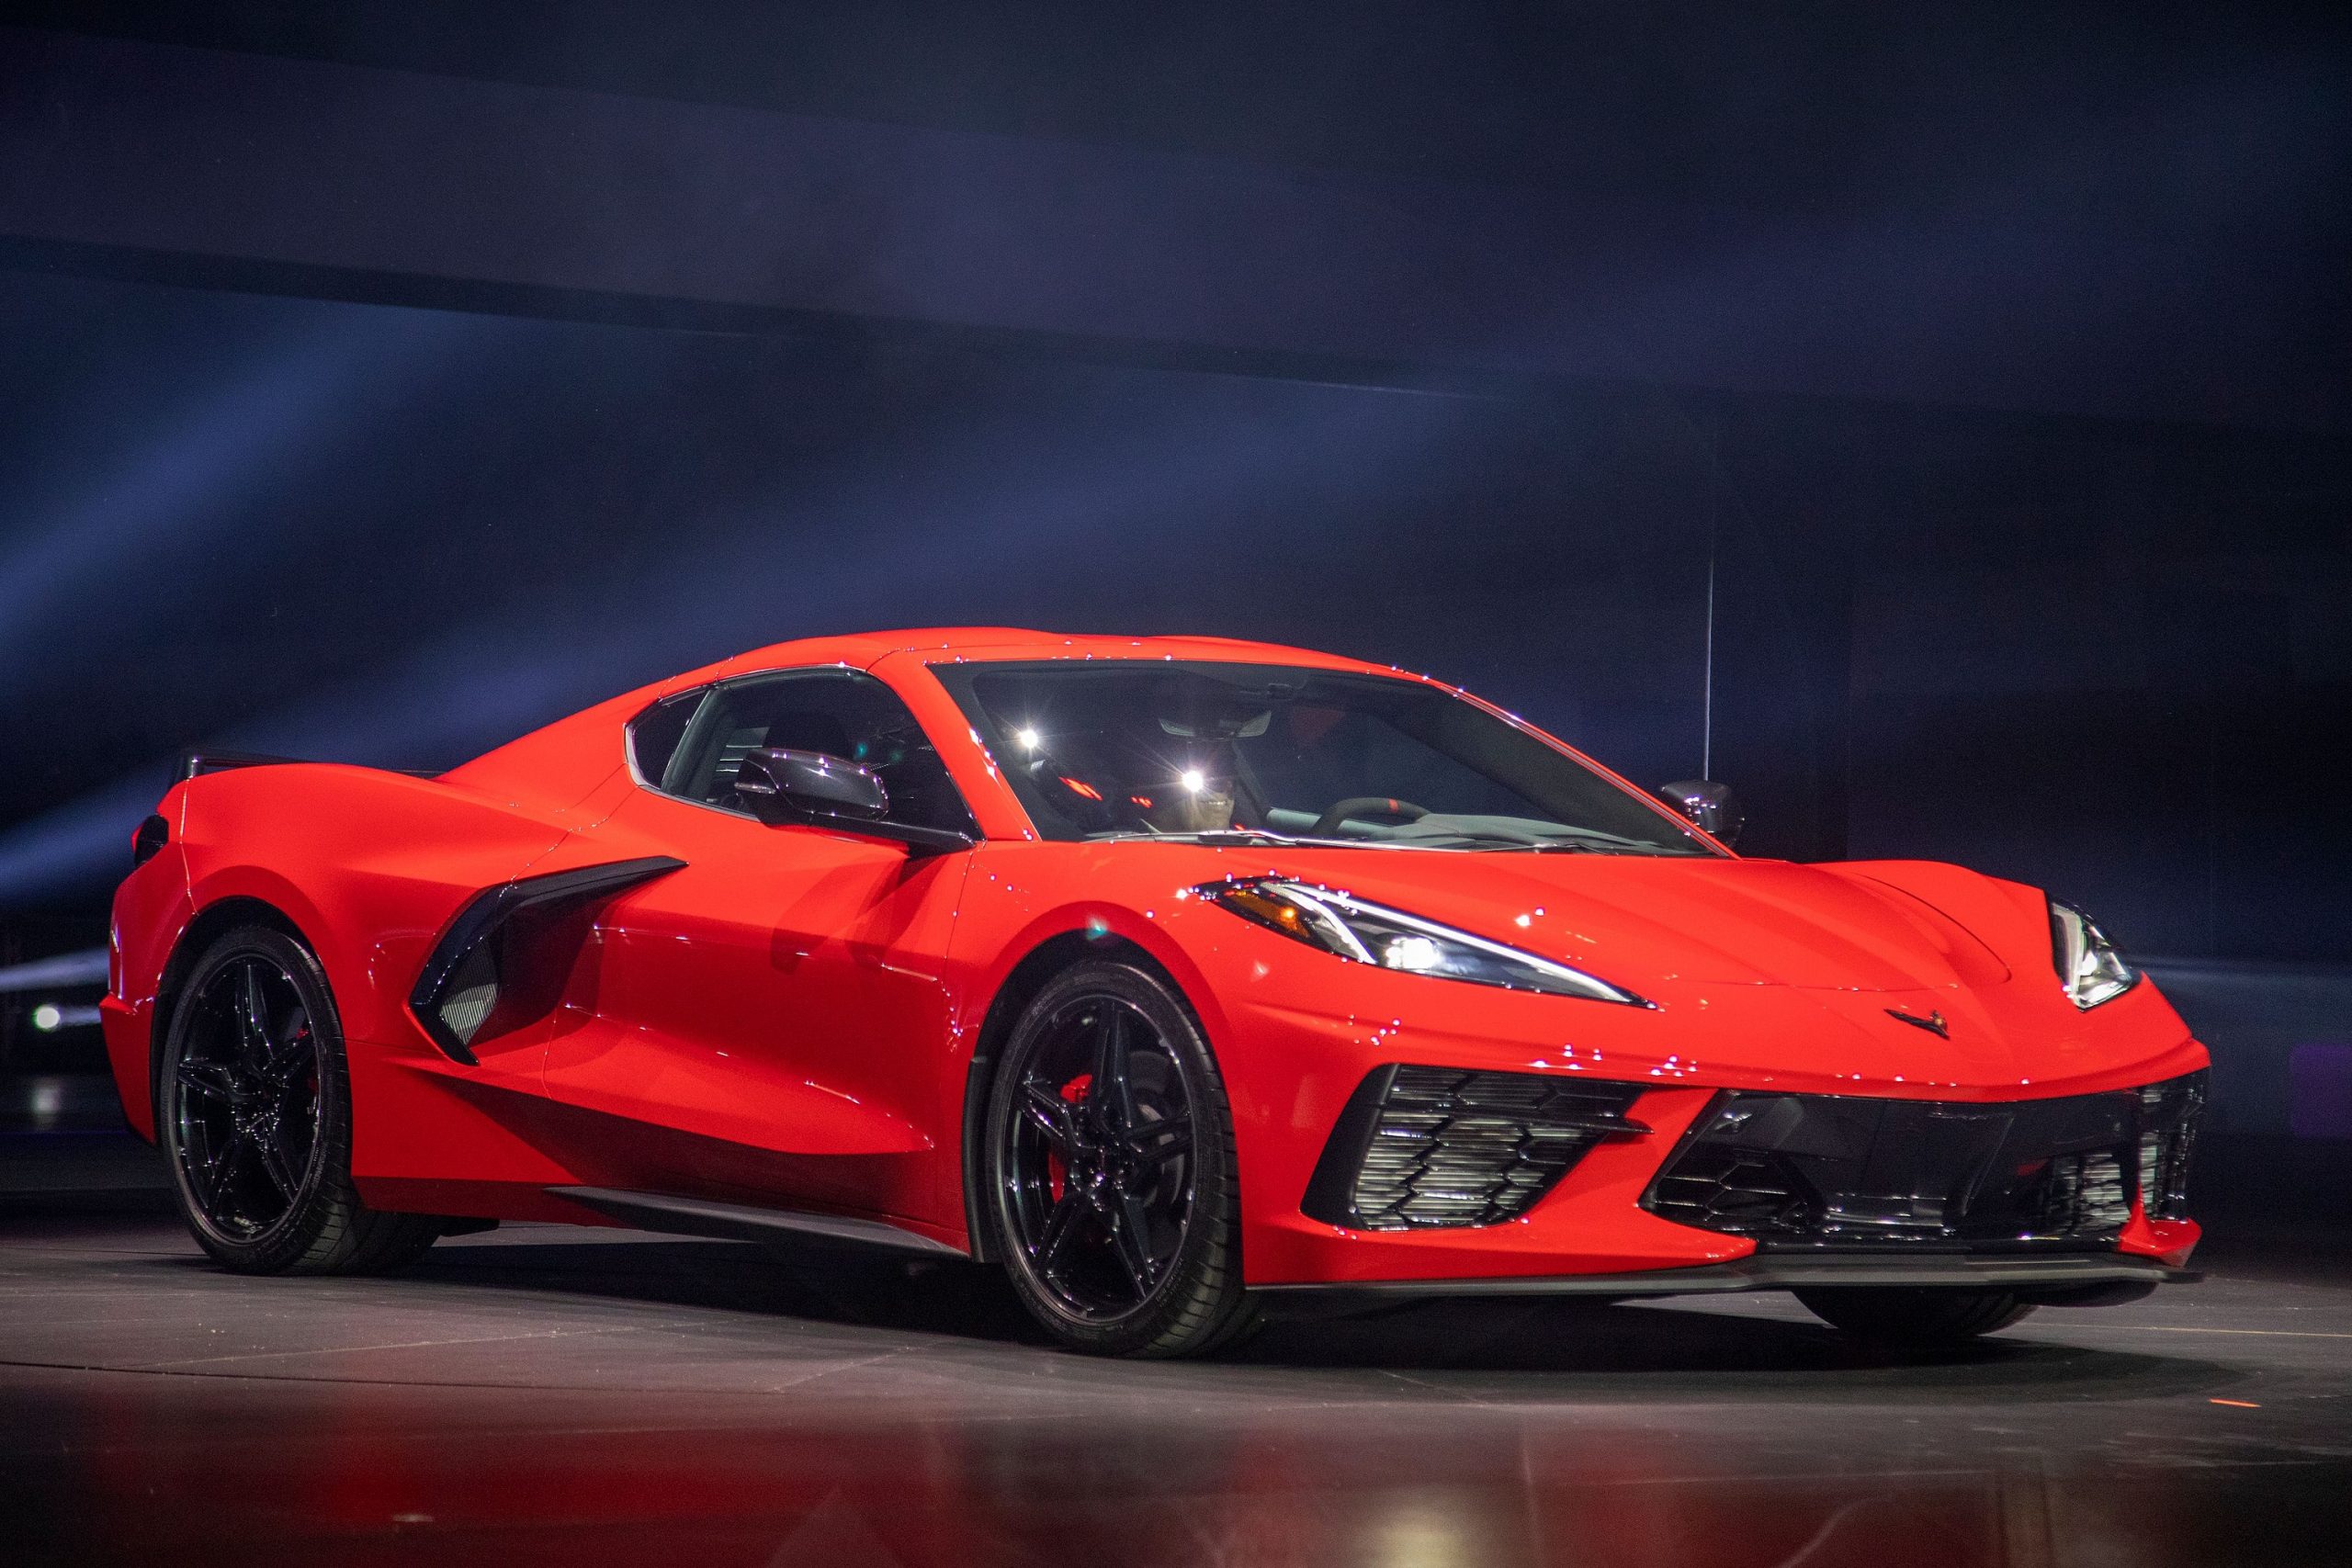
<point x="1370" y="933"/>
<point x="2088" y="965"/>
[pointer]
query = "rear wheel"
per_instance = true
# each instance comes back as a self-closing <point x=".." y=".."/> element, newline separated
<point x="253" y="1110"/>
<point x="1914" y="1319"/>
<point x="1110" y="1170"/>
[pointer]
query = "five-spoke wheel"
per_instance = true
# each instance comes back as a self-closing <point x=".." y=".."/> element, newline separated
<point x="253" y="1107"/>
<point x="1109" y="1163"/>
<point x="245" y="1122"/>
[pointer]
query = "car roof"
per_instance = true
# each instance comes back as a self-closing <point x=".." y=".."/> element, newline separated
<point x="950" y="643"/>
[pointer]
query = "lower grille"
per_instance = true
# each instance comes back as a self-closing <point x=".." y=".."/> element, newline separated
<point x="1805" y="1170"/>
<point x="1424" y="1146"/>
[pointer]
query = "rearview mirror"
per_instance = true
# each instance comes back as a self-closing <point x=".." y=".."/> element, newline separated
<point x="774" y="780"/>
<point x="1712" y="808"/>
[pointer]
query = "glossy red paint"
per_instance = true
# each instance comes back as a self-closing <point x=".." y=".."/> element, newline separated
<point x="792" y="1018"/>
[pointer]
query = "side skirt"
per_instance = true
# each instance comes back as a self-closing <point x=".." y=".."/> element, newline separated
<point x="742" y="1221"/>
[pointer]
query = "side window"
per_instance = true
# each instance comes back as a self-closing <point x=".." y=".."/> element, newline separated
<point x="653" y="735"/>
<point x="843" y="713"/>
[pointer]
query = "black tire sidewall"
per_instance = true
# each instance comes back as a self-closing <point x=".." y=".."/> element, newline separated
<point x="1201" y="1289"/>
<point x="325" y="1185"/>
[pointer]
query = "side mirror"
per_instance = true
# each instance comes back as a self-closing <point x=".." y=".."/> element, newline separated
<point x="826" y="791"/>
<point x="1712" y="808"/>
<point x="775" y="782"/>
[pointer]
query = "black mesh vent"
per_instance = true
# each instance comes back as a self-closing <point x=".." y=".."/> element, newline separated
<point x="1419" y="1147"/>
<point x="1745" y="1191"/>
<point x="1797" y="1171"/>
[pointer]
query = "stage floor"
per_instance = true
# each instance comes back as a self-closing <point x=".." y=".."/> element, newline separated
<point x="548" y="1396"/>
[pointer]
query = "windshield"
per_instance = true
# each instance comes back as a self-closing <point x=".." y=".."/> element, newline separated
<point x="1104" y="749"/>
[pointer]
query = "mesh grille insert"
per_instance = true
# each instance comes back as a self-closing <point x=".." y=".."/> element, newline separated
<point x="1426" y="1147"/>
<point x="1799" y="1170"/>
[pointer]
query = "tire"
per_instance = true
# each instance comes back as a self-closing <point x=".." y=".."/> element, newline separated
<point x="1118" y="1216"/>
<point x="1914" y="1318"/>
<point x="253" y="1107"/>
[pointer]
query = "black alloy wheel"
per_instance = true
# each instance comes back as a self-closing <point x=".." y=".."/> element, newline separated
<point x="253" y="1105"/>
<point x="1111" y="1168"/>
<point x="246" y="1119"/>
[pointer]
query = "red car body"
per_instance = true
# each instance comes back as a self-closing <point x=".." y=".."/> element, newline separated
<point x="790" y="1020"/>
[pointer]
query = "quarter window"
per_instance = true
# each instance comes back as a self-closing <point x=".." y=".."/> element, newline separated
<point x="653" y="739"/>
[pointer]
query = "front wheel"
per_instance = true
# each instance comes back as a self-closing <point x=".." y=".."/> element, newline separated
<point x="253" y="1110"/>
<point x="1921" y="1318"/>
<point x="1111" y="1172"/>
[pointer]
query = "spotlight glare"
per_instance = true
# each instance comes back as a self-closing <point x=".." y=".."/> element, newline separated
<point x="47" y="1017"/>
<point x="1027" y="737"/>
<point x="1194" y="780"/>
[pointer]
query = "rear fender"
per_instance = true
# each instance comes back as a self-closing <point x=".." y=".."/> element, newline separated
<point x="367" y="865"/>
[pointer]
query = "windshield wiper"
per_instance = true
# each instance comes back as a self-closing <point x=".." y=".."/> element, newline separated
<point x="1625" y="847"/>
<point x="1215" y="836"/>
<point x="1584" y="841"/>
<point x="1569" y="842"/>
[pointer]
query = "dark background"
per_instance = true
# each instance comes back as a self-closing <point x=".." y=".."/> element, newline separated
<point x="1933" y="424"/>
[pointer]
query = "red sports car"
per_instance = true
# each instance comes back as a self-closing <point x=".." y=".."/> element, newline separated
<point x="1182" y="977"/>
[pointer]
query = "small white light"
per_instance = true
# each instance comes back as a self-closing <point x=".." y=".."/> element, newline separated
<point x="47" y="1017"/>
<point x="1417" y="954"/>
<point x="1194" y="780"/>
<point x="1027" y="737"/>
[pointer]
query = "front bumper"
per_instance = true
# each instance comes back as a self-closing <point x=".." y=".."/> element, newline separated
<point x="1951" y="1192"/>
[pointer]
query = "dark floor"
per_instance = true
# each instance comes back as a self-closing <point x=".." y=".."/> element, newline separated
<point x="542" y="1394"/>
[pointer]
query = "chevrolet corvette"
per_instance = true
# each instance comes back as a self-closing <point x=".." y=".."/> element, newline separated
<point x="1188" y="980"/>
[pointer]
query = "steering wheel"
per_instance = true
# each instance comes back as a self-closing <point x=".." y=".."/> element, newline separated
<point x="1365" y="805"/>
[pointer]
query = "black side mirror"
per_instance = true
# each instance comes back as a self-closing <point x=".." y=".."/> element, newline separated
<point x="775" y="781"/>
<point x="783" y="785"/>
<point x="1712" y="808"/>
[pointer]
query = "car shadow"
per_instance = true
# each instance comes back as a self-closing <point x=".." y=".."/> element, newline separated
<point x="1703" y="1354"/>
<point x="1471" y="1346"/>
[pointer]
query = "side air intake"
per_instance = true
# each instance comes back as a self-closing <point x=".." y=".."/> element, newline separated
<point x="494" y="967"/>
<point x="1430" y="1146"/>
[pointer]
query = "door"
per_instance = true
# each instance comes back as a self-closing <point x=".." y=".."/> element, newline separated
<point x="770" y="1018"/>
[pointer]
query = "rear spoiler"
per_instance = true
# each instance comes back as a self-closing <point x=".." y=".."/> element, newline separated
<point x="195" y="764"/>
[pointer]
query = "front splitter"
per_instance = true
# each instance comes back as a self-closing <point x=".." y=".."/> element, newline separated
<point x="1945" y="1271"/>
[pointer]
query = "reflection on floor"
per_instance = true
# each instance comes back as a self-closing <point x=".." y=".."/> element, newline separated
<point x="546" y="1395"/>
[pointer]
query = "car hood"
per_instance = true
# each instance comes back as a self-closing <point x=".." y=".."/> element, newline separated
<point x="1655" y="920"/>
